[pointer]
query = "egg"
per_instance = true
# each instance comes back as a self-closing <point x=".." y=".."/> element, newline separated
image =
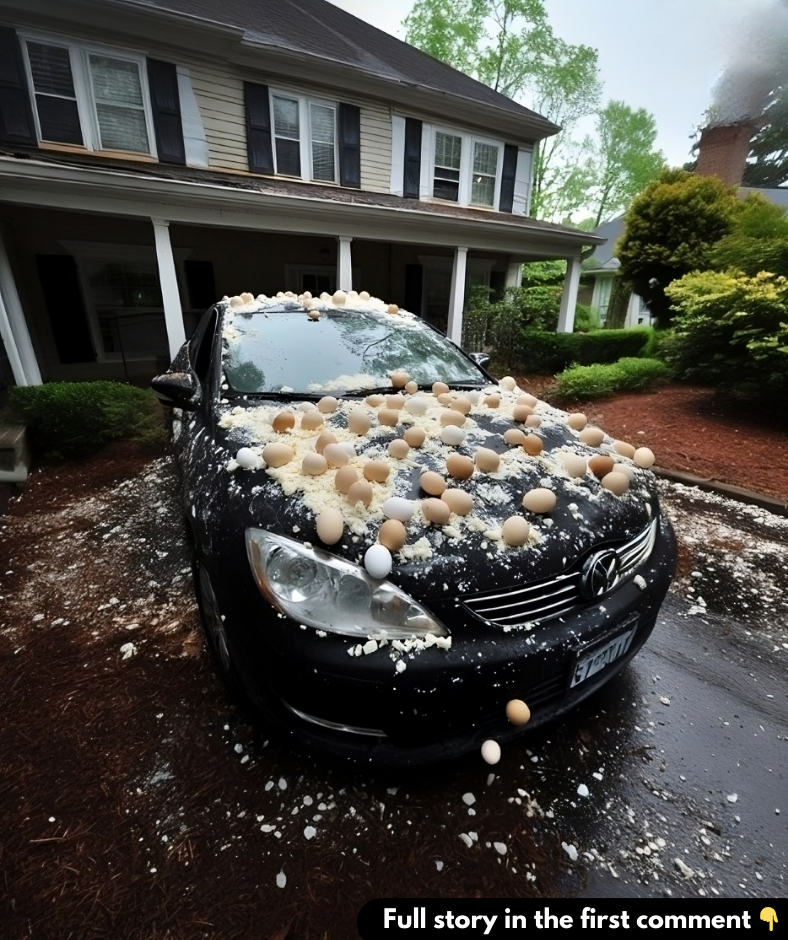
<point x="395" y="402"/>
<point x="449" y="416"/>
<point x="462" y="404"/>
<point x="359" y="492"/>
<point x="313" y="314"/>
<point x="246" y="297"/>
<point x="374" y="401"/>
<point x="452" y="435"/>
<point x="392" y="534"/>
<point x="314" y="464"/>
<point x="339" y="298"/>
<point x="377" y="561"/>
<point x="514" y="436"/>
<point x="398" y="448"/>
<point x="397" y="507"/>
<point x="539" y="500"/>
<point x="411" y="387"/>
<point x="475" y="397"/>
<point x="364" y="295"/>
<point x="336" y="455"/>
<point x="307" y="406"/>
<point x="515" y="531"/>
<point x="345" y="478"/>
<point x="415" y="436"/>
<point x="358" y="421"/>
<point x="283" y="421"/>
<point x="533" y="445"/>
<point x="432" y="483"/>
<point x="521" y="413"/>
<point x="325" y="437"/>
<point x="486" y="460"/>
<point x="528" y="400"/>
<point x="575" y="465"/>
<point x="625" y="468"/>
<point x="518" y="712"/>
<point x="327" y="404"/>
<point x="399" y="379"/>
<point x="277" y="455"/>
<point x="388" y="417"/>
<point x="459" y="466"/>
<point x="507" y="383"/>
<point x="247" y="459"/>
<point x="348" y="448"/>
<point x="577" y="421"/>
<point x="439" y="388"/>
<point x="592" y="436"/>
<point x="458" y="501"/>
<point x="392" y="309"/>
<point x="377" y="471"/>
<point x="533" y="421"/>
<point x="644" y="457"/>
<point x="616" y="482"/>
<point x="492" y="401"/>
<point x="623" y="448"/>
<point x="491" y="752"/>
<point x="311" y="420"/>
<point x="601" y="465"/>
<point x="435" y="511"/>
<point x="416" y="406"/>
<point x="445" y="399"/>
<point x="330" y="526"/>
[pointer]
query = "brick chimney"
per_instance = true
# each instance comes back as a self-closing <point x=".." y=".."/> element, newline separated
<point x="723" y="150"/>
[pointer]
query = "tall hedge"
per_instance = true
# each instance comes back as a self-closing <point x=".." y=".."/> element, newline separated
<point x="545" y="352"/>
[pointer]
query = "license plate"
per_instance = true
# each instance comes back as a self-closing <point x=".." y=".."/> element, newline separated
<point x="602" y="656"/>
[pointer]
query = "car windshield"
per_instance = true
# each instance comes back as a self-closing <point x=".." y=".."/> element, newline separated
<point x="343" y="351"/>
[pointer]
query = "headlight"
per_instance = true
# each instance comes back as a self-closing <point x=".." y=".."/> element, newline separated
<point x="323" y="591"/>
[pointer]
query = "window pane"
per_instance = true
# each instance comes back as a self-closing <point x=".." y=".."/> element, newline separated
<point x="286" y="118"/>
<point x="485" y="159"/>
<point x="483" y="190"/>
<point x="322" y="123"/>
<point x="447" y="150"/>
<point x="122" y="128"/>
<point x="446" y="189"/>
<point x="322" y="161"/>
<point x="115" y="80"/>
<point x="288" y="157"/>
<point x="58" y="119"/>
<point x="51" y="69"/>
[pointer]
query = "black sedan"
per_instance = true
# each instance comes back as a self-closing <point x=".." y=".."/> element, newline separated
<point x="398" y="558"/>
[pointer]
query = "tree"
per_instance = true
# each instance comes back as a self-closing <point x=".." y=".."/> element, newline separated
<point x="767" y="165"/>
<point x="757" y="240"/>
<point x="669" y="231"/>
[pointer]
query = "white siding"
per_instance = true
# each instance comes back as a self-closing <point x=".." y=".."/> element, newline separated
<point x="220" y="97"/>
<point x="375" y="146"/>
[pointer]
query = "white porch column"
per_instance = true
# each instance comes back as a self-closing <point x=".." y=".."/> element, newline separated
<point x="173" y="314"/>
<point x="457" y="295"/>
<point x="13" y="327"/>
<point x="344" y="263"/>
<point x="566" y="315"/>
<point x="514" y="275"/>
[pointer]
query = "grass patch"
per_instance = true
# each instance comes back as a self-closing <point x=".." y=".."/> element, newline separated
<point x="600" y="380"/>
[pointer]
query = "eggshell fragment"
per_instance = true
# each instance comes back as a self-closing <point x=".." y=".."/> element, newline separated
<point x="575" y="465"/>
<point x="395" y="401"/>
<point x="439" y="388"/>
<point x="325" y="437"/>
<point x="644" y="457"/>
<point x="359" y="492"/>
<point x="452" y="435"/>
<point x="277" y="455"/>
<point x="336" y="455"/>
<point x="330" y="526"/>
<point x="592" y="436"/>
<point x="376" y="470"/>
<point x="518" y="712"/>
<point x="458" y="501"/>
<point x="247" y="459"/>
<point x="398" y="448"/>
<point x="533" y="445"/>
<point x="314" y="465"/>
<point x="515" y="531"/>
<point x="327" y="404"/>
<point x="411" y="387"/>
<point x="377" y="561"/>
<point x="435" y="511"/>
<point x="577" y="421"/>
<point x="432" y="483"/>
<point x="601" y="465"/>
<point x="311" y="420"/>
<point x="416" y="406"/>
<point x="514" y="436"/>
<point x="358" y="422"/>
<point x="616" y="482"/>
<point x="491" y="752"/>
<point x="462" y="404"/>
<point x="623" y="448"/>
<point x="415" y="436"/>
<point x="389" y="417"/>
<point x="508" y="383"/>
<point x="397" y="507"/>
<point x="374" y="401"/>
<point x="540" y="500"/>
<point x="392" y="534"/>
<point x="521" y="413"/>
<point x="486" y="460"/>
<point x="283" y="421"/>
<point x="399" y="379"/>
<point x="345" y="478"/>
<point x="459" y="466"/>
<point x="528" y="400"/>
<point x="449" y="416"/>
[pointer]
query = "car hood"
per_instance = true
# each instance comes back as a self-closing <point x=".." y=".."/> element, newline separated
<point x="465" y="556"/>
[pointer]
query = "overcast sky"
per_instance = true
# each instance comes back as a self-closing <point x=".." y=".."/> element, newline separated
<point x="662" y="55"/>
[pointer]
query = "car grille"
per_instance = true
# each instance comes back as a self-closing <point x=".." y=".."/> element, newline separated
<point x="552" y="597"/>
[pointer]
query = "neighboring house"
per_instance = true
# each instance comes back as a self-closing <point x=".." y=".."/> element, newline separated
<point x="157" y="154"/>
<point x="600" y="269"/>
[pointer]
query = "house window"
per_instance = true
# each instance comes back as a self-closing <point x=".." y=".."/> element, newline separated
<point x="466" y="170"/>
<point x="485" y="174"/>
<point x="305" y="138"/>
<point x="448" y="153"/>
<point x="89" y="96"/>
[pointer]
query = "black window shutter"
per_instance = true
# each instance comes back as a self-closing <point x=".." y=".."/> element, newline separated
<point x="349" y="145"/>
<point x="200" y="284"/>
<point x="507" y="178"/>
<point x="411" y="182"/>
<point x="414" y="280"/>
<point x="66" y="309"/>
<point x="166" y="104"/>
<point x="16" y="115"/>
<point x="258" y="128"/>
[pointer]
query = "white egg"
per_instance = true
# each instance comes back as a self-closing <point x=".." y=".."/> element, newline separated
<point x="452" y="435"/>
<point x="247" y="459"/>
<point x="416" y="406"/>
<point x="491" y="752"/>
<point x="397" y="507"/>
<point x="348" y="448"/>
<point x="377" y="561"/>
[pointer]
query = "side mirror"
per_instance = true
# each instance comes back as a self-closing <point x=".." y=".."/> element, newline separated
<point x="178" y="390"/>
<point x="481" y="358"/>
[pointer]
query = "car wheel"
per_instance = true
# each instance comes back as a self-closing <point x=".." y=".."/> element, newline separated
<point x="212" y="621"/>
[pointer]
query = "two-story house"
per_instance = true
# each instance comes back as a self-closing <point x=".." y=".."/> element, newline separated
<point x="157" y="154"/>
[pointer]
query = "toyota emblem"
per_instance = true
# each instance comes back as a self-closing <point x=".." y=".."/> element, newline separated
<point x="599" y="574"/>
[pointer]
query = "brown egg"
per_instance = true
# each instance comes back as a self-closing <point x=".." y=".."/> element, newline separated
<point x="462" y="404"/>
<point x="528" y="400"/>
<point x="311" y="420"/>
<point x="486" y="460"/>
<point x="492" y="401"/>
<point x="359" y="492"/>
<point x="445" y="399"/>
<point x="277" y="455"/>
<point x="313" y="314"/>
<point x="327" y="404"/>
<point x="411" y="387"/>
<point x="515" y="531"/>
<point x="626" y="450"/>
<point x="392" y="309"/>
<point x="345" y="478"/>
<point x="601" y="465"/>
<point x="617" y="483"/>
<point x="577" y="421"/>
<point x="415" y="436"/>
<point x="435" y="511"/>
<point x="358" y="421"/>
<point x="439" y="388"/>
<point x="326" y="437"/>
<point x="283" y="421"/>
<point x="533" y="421"/>
<point x="575" y="465"/>
<point x="389" y="417"/>
<point x="398" y="448"/>
<point x="458" y="501"/>
<point x="533" y="445"/>
<point x="521" y="413"/>
<point x="539" y="500"/>
<point x="514" y="436"/>
<point x="644" y="457"/>
<point x="518" y="712"/>
<point x="330" y="526"/>
<point x="339" y="297"/>
<point x="449" y="416"/>
<point x="459" y="466"/>
<point x="395" y="401"/>
<point x="399" y="379"/>
<point x="374" y="401"/>
<point x="336" y="455"/>
<point x="314" y="464"/>
<point x="392" y="534"/>
<point x="507" y="383"/>
<point x="377" y="470"/>
<point x="592" y="436"/>
<point x="432" y="483"/>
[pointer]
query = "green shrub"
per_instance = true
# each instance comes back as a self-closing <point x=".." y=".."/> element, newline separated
<point x="543" y="352"/>
<point x="586" y="319"/>
<point x="69" y="420"/>
<point x="599" y="380"/>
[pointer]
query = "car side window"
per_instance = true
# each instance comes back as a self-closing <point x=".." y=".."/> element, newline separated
<point x="200" y="353"/>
